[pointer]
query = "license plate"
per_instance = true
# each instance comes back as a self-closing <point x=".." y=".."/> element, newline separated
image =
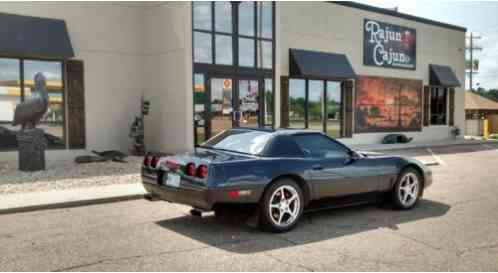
<point x="173" y="180"/>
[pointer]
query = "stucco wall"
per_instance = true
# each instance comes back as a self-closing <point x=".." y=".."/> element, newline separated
<point x="109" y="39"/>
<point x="334" y="28"/>
<point x="168" y="76"/>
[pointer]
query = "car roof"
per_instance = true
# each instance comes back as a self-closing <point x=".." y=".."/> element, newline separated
<point x="279" y="131"/>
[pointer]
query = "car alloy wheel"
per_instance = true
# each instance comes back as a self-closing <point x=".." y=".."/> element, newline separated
<point x="408" y="189"/>
<point x="284" y="207"/>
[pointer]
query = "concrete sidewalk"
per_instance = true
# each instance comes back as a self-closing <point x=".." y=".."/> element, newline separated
<point x="421" y="145"/>
<point x="22" y="202"/>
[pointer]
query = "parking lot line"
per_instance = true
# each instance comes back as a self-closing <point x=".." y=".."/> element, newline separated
<point x="437" y="158"/>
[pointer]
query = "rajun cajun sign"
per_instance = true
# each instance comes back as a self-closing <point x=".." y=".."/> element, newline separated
<point x="387" y="45"/>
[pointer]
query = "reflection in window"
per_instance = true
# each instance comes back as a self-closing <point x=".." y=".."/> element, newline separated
<point x="223" y="17"/>
<point x="10" y="96"/>
<point x="223" y="49"/>
<point x="246" y="52"/>
<point x="53" y="121"/>
<point x="265" y="20"/>
<point x="269" y="102"/>
<point x="202" y="15"/>
<point x="202" y="48"/>
<point x="315" y="105"/>
<point x="334" y="109"/>
<point x="246" y="18"/>
<point x="297" y="101"/>
<point x="265" y="58"/>
<point x="199" y="108"/>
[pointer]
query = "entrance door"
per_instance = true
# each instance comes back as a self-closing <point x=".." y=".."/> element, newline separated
<point x="233" y="102"/>
<point x="222" y="105"/>
<point x="249" y="103"/>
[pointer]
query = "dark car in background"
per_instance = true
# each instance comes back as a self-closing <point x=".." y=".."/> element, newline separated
<point x="282" y="173"/>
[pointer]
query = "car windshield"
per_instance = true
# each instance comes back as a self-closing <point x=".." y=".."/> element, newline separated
<point x="241" y="141"/>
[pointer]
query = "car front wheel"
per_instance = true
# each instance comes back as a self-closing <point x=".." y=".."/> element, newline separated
<point x="282" y="206"/>
<point x="408" y="189"/>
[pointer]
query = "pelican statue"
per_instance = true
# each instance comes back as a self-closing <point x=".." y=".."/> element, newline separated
<point x="31" y="111"/>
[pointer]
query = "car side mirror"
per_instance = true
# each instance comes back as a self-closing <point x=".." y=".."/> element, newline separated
<point x="352" y="157"/>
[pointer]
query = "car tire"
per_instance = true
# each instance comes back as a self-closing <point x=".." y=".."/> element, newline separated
<point x="408" y="189"/>
<point x="272" y="206"/>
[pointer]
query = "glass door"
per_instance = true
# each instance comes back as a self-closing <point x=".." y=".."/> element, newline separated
<point x="221" y="105"/>
<point x="230" y="102"/>
<point x="249" y="103"/>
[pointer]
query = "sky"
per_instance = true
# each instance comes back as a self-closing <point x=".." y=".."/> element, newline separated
<point x="479" y="17"/>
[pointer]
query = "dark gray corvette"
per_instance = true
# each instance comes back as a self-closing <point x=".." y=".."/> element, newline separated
<point x="283" y="172"/>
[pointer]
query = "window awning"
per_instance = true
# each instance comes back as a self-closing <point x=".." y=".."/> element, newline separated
<point x="321" y="65"/>
<point x="26" y="36"/>
<point x="442" y="75"/>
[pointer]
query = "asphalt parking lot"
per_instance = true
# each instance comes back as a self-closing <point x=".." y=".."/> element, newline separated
<point x="455" y="227"/>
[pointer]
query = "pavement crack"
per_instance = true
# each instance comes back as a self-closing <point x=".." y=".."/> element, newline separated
<point x="417" y="241"/>
<point x="480" y="247"/>
<point x="306" y="268"/>
<point x="127" y="258"/>
<point x="148" y="255"/>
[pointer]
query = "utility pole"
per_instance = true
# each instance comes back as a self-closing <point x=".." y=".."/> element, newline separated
<point x="471" y="49"/>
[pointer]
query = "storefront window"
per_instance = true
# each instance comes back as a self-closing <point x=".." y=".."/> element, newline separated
<point x="315" y="105"/>
<point x="246" y="18"/>
<point x="333" y="107"/>
<point x="297" y="103"/>
<point x="269" y="102"/>
<point x="202" y="15"/>
<point x="202" y="47"/>
<point x="265" y="56"/>
<point x="223" y="17"/>
<point x="11" y="94"/>
<point x="265" y="20"/>
<point x="438" y="105"/>
<point x="246" y="52"/>
<point x="199" y="108"/>
<point x="310" y="101"/>
<point x="224" y="49"/>
<point x="234" y="41"/>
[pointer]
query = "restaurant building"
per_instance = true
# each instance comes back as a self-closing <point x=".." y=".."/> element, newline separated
<point x="353" y="71"/>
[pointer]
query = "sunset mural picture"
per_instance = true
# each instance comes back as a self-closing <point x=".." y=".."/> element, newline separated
<point x="388" y="104"/>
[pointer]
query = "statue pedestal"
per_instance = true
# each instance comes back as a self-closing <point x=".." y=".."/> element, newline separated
<point x="32" y="144"/>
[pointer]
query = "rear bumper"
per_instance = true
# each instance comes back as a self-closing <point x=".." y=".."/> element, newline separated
<point x="198" y="196"/>
<point x="187" y="194"/>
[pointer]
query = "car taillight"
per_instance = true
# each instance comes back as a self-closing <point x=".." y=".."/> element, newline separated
<point x="190" y="169"/>
<point x="172" y="164"/>
<point x="202" y="171"/>
<point x="153" y="162"/>
<point x="147" y="160"/>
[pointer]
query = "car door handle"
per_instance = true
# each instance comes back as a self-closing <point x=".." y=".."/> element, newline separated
<point x="317" y="167"/>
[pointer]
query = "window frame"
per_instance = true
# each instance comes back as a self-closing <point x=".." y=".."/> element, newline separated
<point x="324" y="104"/>
<point x="438" y="89"/>
<point x="63" y="88"/>
<point x="235" y="71"/>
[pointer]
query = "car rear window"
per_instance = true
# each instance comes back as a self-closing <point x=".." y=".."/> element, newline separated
<point x="242" y="141"/>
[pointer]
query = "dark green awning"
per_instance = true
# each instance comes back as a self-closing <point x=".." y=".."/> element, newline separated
<point x="26" y="36"/>
<point x="320" y="65"/>
<point x="442" y="75"/>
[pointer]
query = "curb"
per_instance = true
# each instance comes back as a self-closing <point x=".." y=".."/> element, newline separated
<point x="425" y="146"/>
<point x="33" y="201"/>
<point x="71" y="204"/>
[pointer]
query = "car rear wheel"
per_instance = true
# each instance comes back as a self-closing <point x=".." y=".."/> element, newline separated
<point x="282" y="206"/>
<point x="408" y="189"/>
